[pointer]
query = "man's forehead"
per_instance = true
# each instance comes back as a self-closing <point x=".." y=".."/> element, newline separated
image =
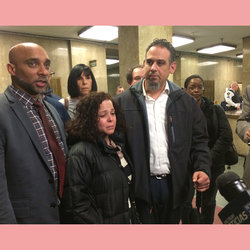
<point x="161" y="53"/>
<point x="26" y="52"/>
<point x="195" y="80"/>
<point x="138" y="70"/>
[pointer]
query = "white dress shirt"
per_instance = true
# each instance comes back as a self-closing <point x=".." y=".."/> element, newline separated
<point x="157" y="120"/>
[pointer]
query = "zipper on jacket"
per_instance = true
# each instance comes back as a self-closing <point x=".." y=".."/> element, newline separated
<point x="172" y="127"/>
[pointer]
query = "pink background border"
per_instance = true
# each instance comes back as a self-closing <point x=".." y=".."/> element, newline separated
<point x="124" y="237"/>
<point x="128" y="12"/>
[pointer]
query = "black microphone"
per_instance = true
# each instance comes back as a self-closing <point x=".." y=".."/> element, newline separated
<point x="234" y="190"/>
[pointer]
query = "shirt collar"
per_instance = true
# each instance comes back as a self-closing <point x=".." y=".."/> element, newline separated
<point x="22" y="96"/>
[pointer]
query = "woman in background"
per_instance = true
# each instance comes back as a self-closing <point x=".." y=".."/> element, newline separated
<point x="98" y="174"/>
<point x="220" y="138"/>
<point x="81" y="82"/>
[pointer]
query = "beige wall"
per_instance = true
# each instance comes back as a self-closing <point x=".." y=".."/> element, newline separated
<point x="246" y="62"/>
<point x="223" y="73"/>
<point x="59" y="52"/>
<point x="133" y="41"/>
<point x="147" y="34"/>
<point x="113" y="79"/>
<point x="83" y="53"/>
<point x="128" y="52"/>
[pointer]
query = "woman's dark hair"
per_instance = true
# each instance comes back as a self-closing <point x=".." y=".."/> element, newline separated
<point x="84" y="125"/>
<point x="75" y="73"/>
<point x="187" y="81"/>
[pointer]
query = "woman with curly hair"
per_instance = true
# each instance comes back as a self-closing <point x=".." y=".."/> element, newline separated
<point x="99" y="174"/>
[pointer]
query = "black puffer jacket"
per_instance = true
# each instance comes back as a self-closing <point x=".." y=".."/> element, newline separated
<point x="219" y="131"/>
<point x="96" y="188"/>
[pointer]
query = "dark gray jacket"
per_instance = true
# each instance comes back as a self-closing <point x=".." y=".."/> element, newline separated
<point x="27" y="191"/>
<point x="187" y="139"/>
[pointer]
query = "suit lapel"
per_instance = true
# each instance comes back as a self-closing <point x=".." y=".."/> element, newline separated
<point x="21" y="114"/>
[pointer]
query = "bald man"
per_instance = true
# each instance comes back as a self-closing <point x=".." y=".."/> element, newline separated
<point x="232" y="97"/>
<point x="29" y="179"/>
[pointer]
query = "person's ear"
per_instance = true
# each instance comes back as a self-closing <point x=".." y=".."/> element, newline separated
<point x="172" y="67"/>
<point x="11" y="69"/>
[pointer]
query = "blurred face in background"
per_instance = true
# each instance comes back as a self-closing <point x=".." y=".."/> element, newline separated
<point x="137" y="75"/>
<point x="196" y="89"/>
<point x="84" y="83"/>
<point x="235" y="86"/>
<point x="119" y="90"/>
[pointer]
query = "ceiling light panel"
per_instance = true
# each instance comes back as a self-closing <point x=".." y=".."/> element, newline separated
<point x="111" y="61"/>
<point x="207" y="63"/>
<point x="100" y="33"/>
<point x="178" y="41"/>
<point x="219" y="48"/>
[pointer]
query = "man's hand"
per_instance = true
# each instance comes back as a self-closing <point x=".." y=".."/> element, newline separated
<point x="201" y="181"/>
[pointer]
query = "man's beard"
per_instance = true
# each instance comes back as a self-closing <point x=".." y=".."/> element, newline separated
<point x="30" y="88"/>
<point x="153" y="86"/>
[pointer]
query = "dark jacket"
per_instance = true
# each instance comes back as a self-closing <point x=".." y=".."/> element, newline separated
<point x="96" y="187"/>
<point x="187" y="137"/>
<point x="59" y="108"/>
<point x="219" y="131"/>
<point x="27" y="190"/>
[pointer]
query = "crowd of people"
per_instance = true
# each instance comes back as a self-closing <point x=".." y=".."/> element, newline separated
<point x="138" y="157"/>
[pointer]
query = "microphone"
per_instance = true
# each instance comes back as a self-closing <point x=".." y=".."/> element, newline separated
<point x="234" y="190"/>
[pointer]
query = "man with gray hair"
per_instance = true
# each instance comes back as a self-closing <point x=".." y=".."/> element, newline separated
<point x="232" y="98"/>
<point x="166" y="130"/>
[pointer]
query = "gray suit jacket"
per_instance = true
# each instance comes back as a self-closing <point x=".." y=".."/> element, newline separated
<point x="27" y="191"/>
<point x="243" y="124"/>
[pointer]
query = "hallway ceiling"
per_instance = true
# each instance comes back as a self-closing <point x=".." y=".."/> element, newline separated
<point x="204" y="36"/>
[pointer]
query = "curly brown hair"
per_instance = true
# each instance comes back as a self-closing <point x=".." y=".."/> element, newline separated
<point x="84" y="124"/>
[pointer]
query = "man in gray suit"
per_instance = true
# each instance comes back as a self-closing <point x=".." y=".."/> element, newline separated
<point x="30" y="175"/>
<point x="243" y="131"/>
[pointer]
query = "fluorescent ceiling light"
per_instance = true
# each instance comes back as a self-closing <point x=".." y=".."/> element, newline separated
<point x="178" y="41"/>
<point x="102" y="33"/>
<point x="239" y="55"/>
<point x="111" y="61"/>
<point x="207" y="63"/>
<point x="216" y="49"/>
<point x="114" y="75"/>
